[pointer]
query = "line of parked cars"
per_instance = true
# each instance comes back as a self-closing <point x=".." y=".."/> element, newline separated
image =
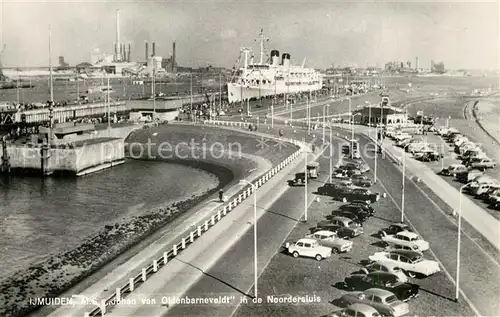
<point x="421" y="150"/>
<point x="471" y="170"/>
<point x="381" y="287"/>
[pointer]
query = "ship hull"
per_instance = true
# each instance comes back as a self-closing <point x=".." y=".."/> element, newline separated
<point x="237" y="92"/>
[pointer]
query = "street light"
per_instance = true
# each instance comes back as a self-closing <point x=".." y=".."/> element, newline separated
<point x="457" y="280"/>
<point x="369" y="118"/>
<point x="305" y="186"/>
<point x="331" y="151"/>
<point x="254" y="189"/>
<point x="328" y="110"/>
<point x="403" y="189"/>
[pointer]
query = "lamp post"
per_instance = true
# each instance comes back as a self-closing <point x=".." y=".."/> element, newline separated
<point x="254" y="189"/>
<point x="457" y="280"/>
<point x="305" y="186"/>
<point x="331" y="152"/>
<point x="369" y="119"/>
<point x="403" y="188"/>
<point x="324" y="118"/>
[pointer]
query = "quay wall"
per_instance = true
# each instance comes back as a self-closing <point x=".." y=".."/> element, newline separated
<point x="72" y="160"/>
<point x="100" y="148"/>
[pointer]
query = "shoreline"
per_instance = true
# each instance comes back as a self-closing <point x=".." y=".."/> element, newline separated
<point x="60" y="272"/>
<point x="478" y="114"/>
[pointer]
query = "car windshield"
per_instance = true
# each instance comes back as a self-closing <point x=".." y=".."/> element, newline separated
<point x="391" y="299"/>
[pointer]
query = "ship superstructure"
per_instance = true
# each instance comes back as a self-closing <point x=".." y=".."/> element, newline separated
<point x="278" y="76"/>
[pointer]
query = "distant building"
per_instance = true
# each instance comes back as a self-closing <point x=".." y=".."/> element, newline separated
<point x="62" y="64"/>
<point x="437" y="67"/>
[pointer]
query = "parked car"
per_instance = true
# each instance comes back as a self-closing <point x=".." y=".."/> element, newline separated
<point x="453" y="169"/>
<point x="340" y="174"/>
<point x="384" y="301"/>
<point x="468" y="176"/>
<point x="469" y="152"/>
<point x="365" y="210"/>
<point x="482" y="164"/>
<point x="387" y="268"/>
<point x="359" y="218"/>
<point x="484" y="189"/>
<point x="362" y="167"/>
<point x="410" y="261"/>
<point x="383" y="280"/>
<point x="361" y="180"/>
<point x="299" y="180"/>
<point x="362" y="203"/>
<point x="347" y="228"/>
<point x="393" y="229"/>
<point x="331" y="240"/>
<point x="355" y="310"/>
<point x="407" y="238"/>
<point x="346" y="194"/>
<point x="429" y="155"/>
<point x="309" y="248"/>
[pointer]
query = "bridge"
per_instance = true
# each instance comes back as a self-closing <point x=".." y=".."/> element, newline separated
<point x="14" y="117"/>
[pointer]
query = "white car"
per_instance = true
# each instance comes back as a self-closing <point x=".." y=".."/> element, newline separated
<point x="331" y="240"/>
<point x="309" y="248"/>
<point x="385" y="267"/>
<point x="407" y="238"/>
<point x="411" y="262"/>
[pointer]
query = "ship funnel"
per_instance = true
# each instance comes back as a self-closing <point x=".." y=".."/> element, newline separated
<point x="147" y="56"/>
<point x="154" y="49"/>
<point x="275" y="58"/>
<point x="285" y="60"/>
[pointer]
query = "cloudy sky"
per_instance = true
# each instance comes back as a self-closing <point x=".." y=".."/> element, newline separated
<point x="358" y="33"/>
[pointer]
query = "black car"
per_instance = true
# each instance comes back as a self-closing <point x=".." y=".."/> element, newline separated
<point x="430" y="157"/>
<point x="358" y="217"/>
<point x="358" y="210"/>
<point x="359" y="204"/>
<point x="361" y="180"/>
<point x="326" y="225"/>
<point x="346" y="194"/>
<point x="383" y="280"/>
<point x="393" y="229"/>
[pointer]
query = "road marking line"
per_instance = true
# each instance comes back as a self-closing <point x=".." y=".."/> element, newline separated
<point x="432" y="252"/>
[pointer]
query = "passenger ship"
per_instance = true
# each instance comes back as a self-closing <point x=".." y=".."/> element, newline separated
<point x="267" y="79"/>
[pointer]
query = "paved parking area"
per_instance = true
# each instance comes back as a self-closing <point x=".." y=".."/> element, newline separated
<point x="450" y="157"/>
<point x="286" y="275"/>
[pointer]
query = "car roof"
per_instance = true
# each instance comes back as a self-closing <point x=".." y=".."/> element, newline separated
<point x="408" y="234"/>
<point x="325" y="232"/>
<point x="383" y="275"/>
<point x="307" y="240"/>
<point x="363" y="308"/>
<point x="341" y="218"/>
<point x="407" y="253"/>
<point x="379" y="292"/>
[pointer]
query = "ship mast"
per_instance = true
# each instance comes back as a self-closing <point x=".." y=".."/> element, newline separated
<point x="262" y="39"/>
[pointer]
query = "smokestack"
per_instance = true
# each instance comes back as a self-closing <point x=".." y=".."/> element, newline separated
<point x="124" y="56"/>
<point x="147" y="55"/>
<point x="173" y="57"/>
<point x="129" y="50"/>
<point x="416" y="62"/>
<point x="154" y="49"/>
<point x="118" y="57"/>
<point x="116" y="52"/>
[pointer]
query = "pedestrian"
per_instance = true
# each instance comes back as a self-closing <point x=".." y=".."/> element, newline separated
<point x="221" y="196"/>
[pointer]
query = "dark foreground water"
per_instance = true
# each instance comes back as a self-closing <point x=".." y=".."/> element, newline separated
<point x="39" y="218"/>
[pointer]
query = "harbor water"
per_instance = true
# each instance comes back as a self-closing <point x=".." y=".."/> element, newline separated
<point x="39" y="218"/>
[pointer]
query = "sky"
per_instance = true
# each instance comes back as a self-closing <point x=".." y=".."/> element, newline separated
<point x="326" y="33"/>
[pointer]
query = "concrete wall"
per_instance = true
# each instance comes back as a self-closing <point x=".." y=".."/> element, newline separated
<point x="67" y="159"/>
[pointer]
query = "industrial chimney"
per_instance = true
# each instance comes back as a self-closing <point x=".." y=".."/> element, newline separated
<point x="129" y="50"/>
<point x="147" y="55"/>
<point x="154" y="49"/>
<point x="118" y="46"/>
<point x="173" y="57"/>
